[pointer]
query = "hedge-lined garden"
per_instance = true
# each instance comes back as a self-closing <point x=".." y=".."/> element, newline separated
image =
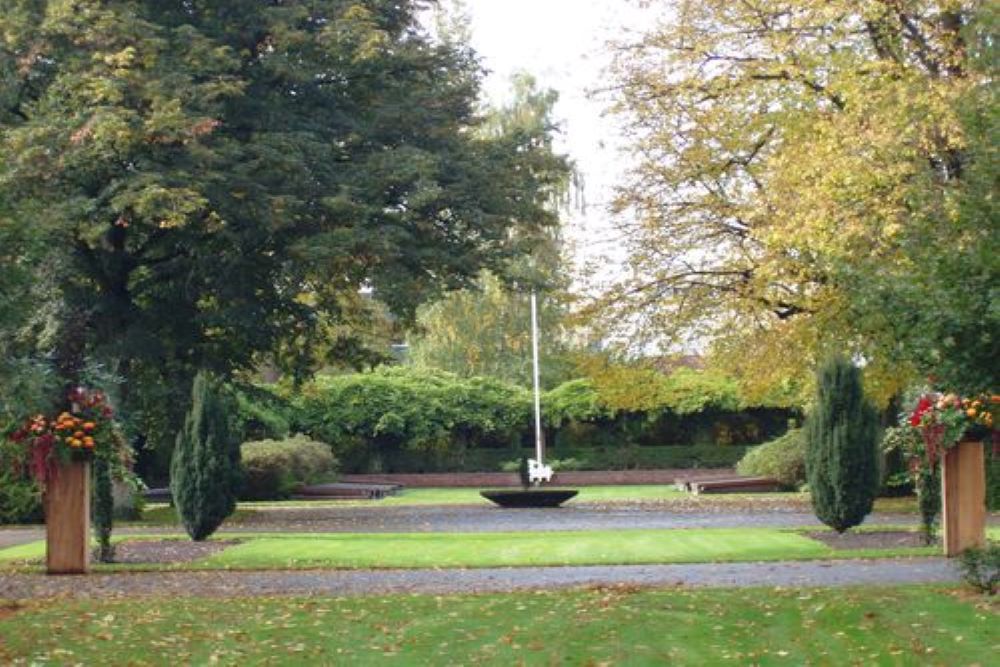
<point x="410" y="420"/>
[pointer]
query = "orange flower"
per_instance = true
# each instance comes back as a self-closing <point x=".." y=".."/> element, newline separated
<point x="89" y="426"/>
<point x="88" y="442"/>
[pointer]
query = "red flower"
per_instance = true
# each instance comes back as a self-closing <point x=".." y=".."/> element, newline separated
<point x="923" y="406"/>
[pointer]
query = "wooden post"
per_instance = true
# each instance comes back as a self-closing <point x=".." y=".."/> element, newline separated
<point x="963" y="498"/>
<point x="67" y="519"/>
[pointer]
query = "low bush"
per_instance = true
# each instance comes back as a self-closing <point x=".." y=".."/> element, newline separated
<point x="273" y="469"/>
<point x="981" y="568"/>
<point x="784" y="459"/>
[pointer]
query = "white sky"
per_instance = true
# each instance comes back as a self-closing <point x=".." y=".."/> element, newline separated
<point x="563" y="43"/>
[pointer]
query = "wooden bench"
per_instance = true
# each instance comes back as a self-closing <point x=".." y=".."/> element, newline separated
<point x="687" y="482"/>
<point x="736" y="485"/>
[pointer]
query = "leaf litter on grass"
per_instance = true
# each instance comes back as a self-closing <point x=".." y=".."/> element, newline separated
<point x="908" y="625"/>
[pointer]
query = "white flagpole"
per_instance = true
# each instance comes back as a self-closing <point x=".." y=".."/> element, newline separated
<point x="534" y="358"/>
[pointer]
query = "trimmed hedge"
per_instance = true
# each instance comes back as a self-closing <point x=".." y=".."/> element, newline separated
<point x="784" y="459"/>
<point x="273" y="469"/>
<point x="405" y="419"/>
<point x="590" y="458"/>
<point x="371" y="420"/>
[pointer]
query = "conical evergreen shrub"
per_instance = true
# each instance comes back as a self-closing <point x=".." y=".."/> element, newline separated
<point x="841" y="455"/>
<point x="205" y="468"/>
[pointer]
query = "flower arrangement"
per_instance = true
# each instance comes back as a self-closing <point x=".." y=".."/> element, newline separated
<point x="85" y="430"/>
<point x="946" y="419"/>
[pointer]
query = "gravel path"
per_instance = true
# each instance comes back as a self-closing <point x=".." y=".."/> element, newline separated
<point x="367" y="582"/>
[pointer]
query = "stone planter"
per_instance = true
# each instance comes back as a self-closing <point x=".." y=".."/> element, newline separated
<point x="963" y="498"/>
<point x="67" y="519"/>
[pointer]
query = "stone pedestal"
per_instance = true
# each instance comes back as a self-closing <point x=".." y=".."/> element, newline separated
<point x="67" y="519"/>
<point x="963" y="498"/>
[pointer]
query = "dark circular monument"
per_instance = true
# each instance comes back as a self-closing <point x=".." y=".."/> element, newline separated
<point x="529" y="497"/>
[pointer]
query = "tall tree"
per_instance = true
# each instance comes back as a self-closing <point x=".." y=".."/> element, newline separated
<point x="806" y="178"/>
<point x="207" y="182"/>
<point x="486" y="329"/>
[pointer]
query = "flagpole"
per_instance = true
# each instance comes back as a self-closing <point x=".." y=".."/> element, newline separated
<point x="539" y="447"/>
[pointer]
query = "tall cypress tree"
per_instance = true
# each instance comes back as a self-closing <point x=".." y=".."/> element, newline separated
<point x="204" y="470"/>
<point x="841" y="455"/>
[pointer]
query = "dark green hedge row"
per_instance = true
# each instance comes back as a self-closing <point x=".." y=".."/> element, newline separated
<point x="409" y="420"/>
<point x="590" y="458"/>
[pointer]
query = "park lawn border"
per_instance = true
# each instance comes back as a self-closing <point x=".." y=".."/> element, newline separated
<point x="347" y="551"/>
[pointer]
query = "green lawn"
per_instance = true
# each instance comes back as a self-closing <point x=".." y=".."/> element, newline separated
<point x="522" y="549"/>
<point x="619" y="626"/>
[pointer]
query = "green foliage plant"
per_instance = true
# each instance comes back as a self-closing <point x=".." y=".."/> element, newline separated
<point x="841" y="458"/>
<point x="783" y="459"/>
<point x="923" y="473"/>
<point x="20" y="499"/>
<point x="205" y="468"/>
<point x="370" y="417"/>
<point x="981" y="567"/>
<point x="273" y="469"/>
<point x="103" y="509"/>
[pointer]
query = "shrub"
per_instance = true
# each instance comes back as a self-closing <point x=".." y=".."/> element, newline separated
<point x="841" y="456"/>
<point x="20" y="500"/>
<point x="205" y="468"/>
<point x="981" y="568"/>
<point x="273" y="469"/>
<point x="783" y="459"/>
